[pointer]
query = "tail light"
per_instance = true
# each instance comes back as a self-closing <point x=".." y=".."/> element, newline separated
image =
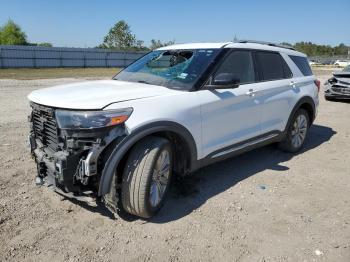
<point x="318" y="84"/>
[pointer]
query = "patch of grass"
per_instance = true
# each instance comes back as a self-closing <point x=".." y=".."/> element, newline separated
<point x="44" y="73"/>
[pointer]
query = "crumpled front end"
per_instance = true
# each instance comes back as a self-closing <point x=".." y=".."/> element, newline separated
<point x="338" y="87"/>
<point x="69" y="160"/>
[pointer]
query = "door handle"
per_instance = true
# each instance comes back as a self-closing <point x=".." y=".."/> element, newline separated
<point x="251" y="92"/>
<point x="292" y="84"/>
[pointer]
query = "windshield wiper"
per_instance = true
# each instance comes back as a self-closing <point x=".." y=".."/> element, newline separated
<point x="143" y="82"/>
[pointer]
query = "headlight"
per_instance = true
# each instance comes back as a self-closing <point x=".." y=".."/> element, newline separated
<point x="91" y="119"/>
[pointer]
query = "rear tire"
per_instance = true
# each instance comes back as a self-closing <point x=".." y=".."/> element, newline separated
<point x="147" y="176"/>
<point x="296" y="133"/>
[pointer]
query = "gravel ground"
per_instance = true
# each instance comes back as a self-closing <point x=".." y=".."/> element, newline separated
<point x="264" y="205"/>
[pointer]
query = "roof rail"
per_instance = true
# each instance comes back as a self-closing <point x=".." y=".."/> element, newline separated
<point x="265" y="43"/>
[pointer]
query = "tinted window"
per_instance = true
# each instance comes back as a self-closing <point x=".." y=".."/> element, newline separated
<point x="272" y="66"/>
<point x="303" y="64"/>
<point x="286" y="69"/>
<point x="239" y="63"/>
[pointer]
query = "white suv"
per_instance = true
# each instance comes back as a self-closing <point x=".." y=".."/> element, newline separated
<point x="171" y="112"/>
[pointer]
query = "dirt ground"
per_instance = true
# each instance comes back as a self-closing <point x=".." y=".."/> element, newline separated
<point x="48" y="73"/>
<point x="264" y="205"/>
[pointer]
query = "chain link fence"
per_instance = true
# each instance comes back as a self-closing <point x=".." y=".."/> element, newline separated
<point x="329" y="59"/>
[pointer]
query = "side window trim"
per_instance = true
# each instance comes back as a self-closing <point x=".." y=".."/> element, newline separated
<point x="258" y="72"/>
<point x="285" y="65"/>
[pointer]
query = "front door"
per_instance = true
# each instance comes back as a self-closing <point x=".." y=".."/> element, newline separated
<point x="230" y="116"/>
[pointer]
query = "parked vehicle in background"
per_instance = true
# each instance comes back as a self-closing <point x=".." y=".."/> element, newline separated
<point x="312" y="62"/>
<point x="342" y="63"/>
<point x="328" y="62"/>
<point x="338" y="86"/>
<point x="171" y="112"/>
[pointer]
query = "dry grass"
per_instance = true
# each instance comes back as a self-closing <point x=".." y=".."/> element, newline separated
<point x="45" y="73"/>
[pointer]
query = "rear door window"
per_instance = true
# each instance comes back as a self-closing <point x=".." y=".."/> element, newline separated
<point x="272" y="66"/>
<point x="303" y="64"/>
<point x="239" y="63"/>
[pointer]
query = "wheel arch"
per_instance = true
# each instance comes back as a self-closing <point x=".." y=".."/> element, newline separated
<point x="306" y="103"/>
<point x="167" y="129"/>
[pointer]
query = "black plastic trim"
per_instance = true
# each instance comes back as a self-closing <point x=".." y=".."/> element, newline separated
<point x="122" y="148"/>
<point x="304" y="100"/>
<point x="210" y="159"/>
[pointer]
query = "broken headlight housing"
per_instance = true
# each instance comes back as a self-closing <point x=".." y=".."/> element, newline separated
<point x="67" y="119"/>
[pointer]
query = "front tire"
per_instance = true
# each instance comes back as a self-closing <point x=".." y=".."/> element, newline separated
<point x="297" y="132"/>
<point x="147" y="176"/>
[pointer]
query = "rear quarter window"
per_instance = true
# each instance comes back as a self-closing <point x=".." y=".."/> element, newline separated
<point x="303" y="64"/>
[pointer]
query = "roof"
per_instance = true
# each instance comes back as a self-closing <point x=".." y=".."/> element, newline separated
<point x="194" y="46"/>
<point x="243" y="45"/>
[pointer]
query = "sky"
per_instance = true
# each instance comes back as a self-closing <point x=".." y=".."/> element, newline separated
<point x="84" y="23"/>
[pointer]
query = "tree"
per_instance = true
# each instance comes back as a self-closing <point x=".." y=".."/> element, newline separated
<point x="12" y="34"/>
<point x="139" y="46"/>
<point x="286" y="44"/>
<point x="45" y="44"/>
<point x="119" y="37"/>
<point x="157" y="44"/>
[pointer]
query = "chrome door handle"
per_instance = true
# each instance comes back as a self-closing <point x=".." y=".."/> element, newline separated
<point x="251" y="92"/>
<point x="292" y="84"/>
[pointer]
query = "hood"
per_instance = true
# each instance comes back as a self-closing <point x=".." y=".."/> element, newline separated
<point x="94" y="94"/>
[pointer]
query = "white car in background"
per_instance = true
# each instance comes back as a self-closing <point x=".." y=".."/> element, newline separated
<point x="311" y="63"/>
<point x="342" y="63"/>
<point x="173" y="111"/>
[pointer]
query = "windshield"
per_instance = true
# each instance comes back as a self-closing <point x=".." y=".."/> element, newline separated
<point x="176" y="69"/>
<point x="347" y="69"/>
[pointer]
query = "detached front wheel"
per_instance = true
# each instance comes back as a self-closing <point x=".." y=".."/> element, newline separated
<point x="147" y="176"/>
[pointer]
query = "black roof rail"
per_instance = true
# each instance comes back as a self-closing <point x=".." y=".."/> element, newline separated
<point x="265" y="43"/>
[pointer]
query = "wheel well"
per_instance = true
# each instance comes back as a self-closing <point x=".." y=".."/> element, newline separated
<point x="181" y="150"/>
<point x="310" y="111"/>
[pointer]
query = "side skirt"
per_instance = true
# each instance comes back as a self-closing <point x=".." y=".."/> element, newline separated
<point x="242" y="147"/>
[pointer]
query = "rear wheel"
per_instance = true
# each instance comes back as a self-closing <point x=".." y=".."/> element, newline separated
<point x="297" y="132"/>
<point x="146" y="177"/>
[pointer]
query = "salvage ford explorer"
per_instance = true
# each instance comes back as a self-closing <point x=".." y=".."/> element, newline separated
<point x="171" y="112"/>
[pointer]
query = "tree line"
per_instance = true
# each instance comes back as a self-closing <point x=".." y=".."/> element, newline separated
<point x="120" y="37"/>
<point x="12" y="34"/>
<point x="312" y="49"/>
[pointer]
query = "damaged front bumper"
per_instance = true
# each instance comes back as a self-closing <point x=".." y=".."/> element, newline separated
<point x="70" y="161"/>
<point x="338" y="87"/>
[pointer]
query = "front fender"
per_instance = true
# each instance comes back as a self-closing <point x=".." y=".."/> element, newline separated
<point x="123" y="147"/>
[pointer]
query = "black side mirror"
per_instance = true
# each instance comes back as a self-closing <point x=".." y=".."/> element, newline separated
<point x="224" y="81"/>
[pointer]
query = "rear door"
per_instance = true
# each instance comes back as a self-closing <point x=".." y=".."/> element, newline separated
<point x="230" y="116"/>
<point x="276" y="88"/>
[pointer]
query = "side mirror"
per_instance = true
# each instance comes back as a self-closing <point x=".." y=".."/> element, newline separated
<point x="224" y="81"/>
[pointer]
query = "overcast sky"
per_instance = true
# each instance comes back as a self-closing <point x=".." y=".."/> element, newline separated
<point x="84" y="23"/>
